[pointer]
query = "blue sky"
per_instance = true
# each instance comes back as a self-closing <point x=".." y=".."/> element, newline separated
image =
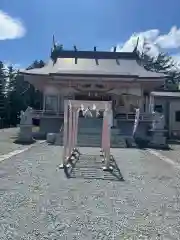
<point x="85" y="23"/>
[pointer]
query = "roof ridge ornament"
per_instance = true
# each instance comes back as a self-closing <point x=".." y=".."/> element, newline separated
<point x="55" y="50"/>
<point x="54" y="43"/>
<point x="136" y="47"/>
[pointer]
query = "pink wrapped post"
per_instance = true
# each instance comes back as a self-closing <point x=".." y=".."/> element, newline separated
<point x="73" y="127"/>
<point x="102" y="140"/>
<point x="76" y="129"/>
<point x="70" y="130"/>
<point x="107" y="141"/>
<point x="65" y="137"/>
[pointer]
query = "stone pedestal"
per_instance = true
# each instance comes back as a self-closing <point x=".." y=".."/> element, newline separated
<point x="158" y="138"/>
<point x="25" y="134"/>
<point x="51" y="138"/>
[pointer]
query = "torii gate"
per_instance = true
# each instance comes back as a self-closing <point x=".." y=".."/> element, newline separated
<point x="71" y="116"/>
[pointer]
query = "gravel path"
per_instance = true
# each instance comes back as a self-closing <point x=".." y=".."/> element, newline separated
<point x="173" y="154"/>
<point x="7" y="137"/>
<point x="38" y="202"/>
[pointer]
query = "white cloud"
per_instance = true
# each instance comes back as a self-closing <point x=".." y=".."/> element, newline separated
<point x="145" y="38"/>
<point x="170" y="40"/>
<point x="154" y="41"/>
<point x="10" y="28"/>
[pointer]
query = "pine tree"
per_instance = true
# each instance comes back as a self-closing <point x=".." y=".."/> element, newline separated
<point x="2" y="92"/>
<point x="164" y="64"/>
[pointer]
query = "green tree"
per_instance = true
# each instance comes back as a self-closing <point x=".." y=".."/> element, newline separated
<point x="163" y="63"/>
<point x="2" y="93"/>
<point x="20" y="94"/>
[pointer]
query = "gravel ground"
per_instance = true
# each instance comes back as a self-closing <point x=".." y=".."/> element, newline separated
<point x="38" y="202"/>
<point x="7" y="137"/>
<point x="173" y="154"/>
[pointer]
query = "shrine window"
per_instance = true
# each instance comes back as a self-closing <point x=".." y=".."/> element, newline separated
<point x="121" y="102"/>
<point x="158" y="108"/>
<point x="177" y="116"/>
<point x="51" y="103"/>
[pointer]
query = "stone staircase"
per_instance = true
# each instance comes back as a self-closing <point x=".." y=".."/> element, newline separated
<point x="90" y="134"/>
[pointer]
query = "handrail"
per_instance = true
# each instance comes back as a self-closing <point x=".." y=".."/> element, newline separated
<point x="47" y="113"/>
<point x="131" y="117"/>
<point x="121" y="116"/>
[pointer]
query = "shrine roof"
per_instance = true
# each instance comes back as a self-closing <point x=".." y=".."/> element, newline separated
<point x="171" y="94"/>
<point x="93" y="63"/>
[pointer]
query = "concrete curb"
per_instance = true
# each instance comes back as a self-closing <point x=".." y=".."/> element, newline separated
<point x="17" y="152"/>
<point x="163" y="158"/>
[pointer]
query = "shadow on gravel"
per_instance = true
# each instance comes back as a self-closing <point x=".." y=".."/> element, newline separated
<point x="24" y="143"/>
<point x="174" y="142"/>
<point x="144" y="144"/>
<point x="90" y="167"/>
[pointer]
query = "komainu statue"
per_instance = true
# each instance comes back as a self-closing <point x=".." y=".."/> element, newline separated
<point x="26" y="117"/>
<point x="158" y="121"/>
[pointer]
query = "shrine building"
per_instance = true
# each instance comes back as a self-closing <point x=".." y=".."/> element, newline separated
<point x="93" y="75"/>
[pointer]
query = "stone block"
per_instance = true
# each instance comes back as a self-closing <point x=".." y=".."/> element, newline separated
<point x="51" y="138"/>
<point x="158" y="138"/>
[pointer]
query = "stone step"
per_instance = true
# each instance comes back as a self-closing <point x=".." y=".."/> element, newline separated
<point x="121" y="144"/>
<point x="94" y="140"/>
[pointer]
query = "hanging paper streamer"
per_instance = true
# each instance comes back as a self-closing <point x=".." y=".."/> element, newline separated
<point x="136" y="121"/>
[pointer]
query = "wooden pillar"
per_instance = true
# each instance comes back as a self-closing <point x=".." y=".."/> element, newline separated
<point x="146" y="103"/>
<point x="57" y="104"/>
<point x="151" y="104"/>
<point x="44" y="102"/>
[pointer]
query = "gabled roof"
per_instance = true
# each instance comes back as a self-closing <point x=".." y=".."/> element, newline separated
<point x="94" y="63"/>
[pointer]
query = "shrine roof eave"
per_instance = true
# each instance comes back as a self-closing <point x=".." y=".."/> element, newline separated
<point x="166" y="94"/>
<point x="78" y="75"/>
<point x="86" y="75"/>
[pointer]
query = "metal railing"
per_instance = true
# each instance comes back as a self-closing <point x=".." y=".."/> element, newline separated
<point x="47" y="113"/>
<point x="122" y="116"/>
<point x="145" y="117"/>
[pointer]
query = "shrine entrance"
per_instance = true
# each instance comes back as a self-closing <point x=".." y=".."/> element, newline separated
<point x="92" y="97"/>
<point x="71" y="153"/>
